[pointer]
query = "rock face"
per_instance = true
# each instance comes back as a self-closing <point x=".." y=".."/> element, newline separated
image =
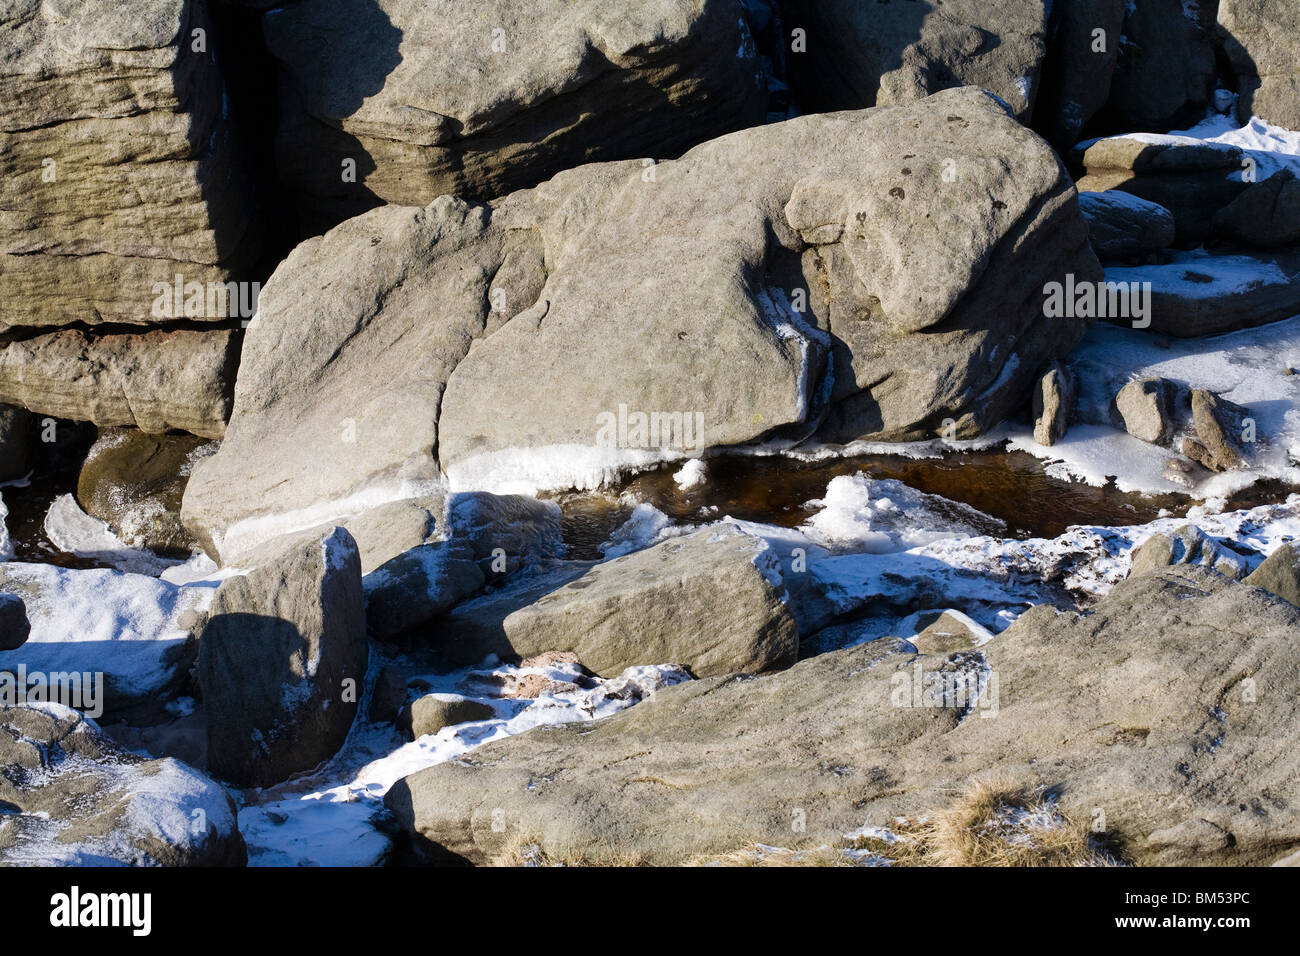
<point x="928" y="277"/>
<point x="528" y="92"/>
<point x="1193" y="181"/>
<point x="1054" y="398"/>
<point x="15" y="430"/>
<point x="118" y="166"/>
<point x="1166" y="69"/>
<point x="1188" y="759"/>
<point x="73" y="798"/>
<point x="282" y="659"/>
<point x="880" y="54"/>
<point x="418" y="585"/>
<point x="155" y="381"/>
<point x="1079" y="67"/>
<point x="661" y="605"/>
<point x="1259" y="37"/>
<point x="1189" y="545"/>
<point x="134" y="481"/>
<point x="1279" y="574"/>
<point x="1266" y="214"/>
<point x="1123" y="226"/>
<point x="14" y="626"/>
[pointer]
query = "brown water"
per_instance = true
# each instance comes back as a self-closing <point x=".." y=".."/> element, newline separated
<point x="1009" y="486"/>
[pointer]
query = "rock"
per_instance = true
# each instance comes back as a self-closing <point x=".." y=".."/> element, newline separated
<point x="1166" y="70"/>
<point x="1189" y="545"/>
<point x="432" y="712"/>
<point x="948" y="633"/>
<point x="1123" y="226"/>
<point x="533" y="88"/>
<point x="712" y="601"/>
<point x="504" y="531"/>
<point x="117" y="636"/>
<point x="1186" y="474"/>
<point x="1078" y="68"/>
<point x="119" y="167"/>
<point x="15" y="430"/>
<point x="926" y="300"/>
<point x="1259" y="38"/>
<point x="1140" y="709"/>
<point x="1216" y="421"/>
<point x="1054" y="398"/>
<point x="1192" y="180"/>
<point x="1146" y="407"/>
<point x="155" y="381"/>
<point x="134" y="481"/>
<point x="1279" y="574"/>
<point x="858" y="56"/>
<point x="282" y="660"/>
<point x="415" y="587"/>
<point x="1201" y="293"/>
<point x="1266" y="214"/>
<point x="73" y="798"/>
<point x="14" y="626"/>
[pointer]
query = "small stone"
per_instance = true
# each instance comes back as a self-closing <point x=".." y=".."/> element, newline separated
<point x="432" y="712"/>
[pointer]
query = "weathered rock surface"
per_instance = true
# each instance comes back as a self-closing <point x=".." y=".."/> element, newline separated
<point x="155" y="381"/>
<point x="712" y="601"/>
<point x="1192" y="180"/>
<point x="1189" y="545"/>
<point x="118" y="166"/>
<point x="1080" y="64"/>
<point x="928" y="277"/>
<point x="1165" y="72"/>
<point x="417" y="586"/>
<point x="1190" y="760"/>
<point x="134" y="481"/>
<point x="880" y="54"/>
<point x="432" y="712"/>
<point x="15" y="431"/>
<point x="1217" y="423"/>
<point x="73" y="798"/>
<point x="1279" y="574"/>
<point x="1266" y="214"/>
<point x="282" y="659"/>
<point x="1147" y="409"/>
<point x="431" y="99"/>
<point x="1124" y="226"/>
<point x="14" y="626"/>
<point x="1260" y="39"/>
<point x="1054" y="398"/>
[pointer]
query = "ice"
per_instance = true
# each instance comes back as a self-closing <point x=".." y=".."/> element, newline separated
<point x="692" y="474"/>
<point x="6" y="545"/>
<point x="72" y="530"/>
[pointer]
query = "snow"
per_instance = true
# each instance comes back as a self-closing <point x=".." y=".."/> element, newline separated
<point x="692" y="474"/>
<point x="6" y="546"/>
<point x="103" y="621"/>
<point x="1271" y="148"/>
<point x="1199" y="274"/>
<point x="646" y="525"/>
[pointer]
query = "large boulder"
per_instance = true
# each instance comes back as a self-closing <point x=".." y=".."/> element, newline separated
<point x="282" y="659"/>
<point x="155" y="381"/>
<point x="1279" y="573"/>
<point x="919" y="237"/>
<point x="858" y="55"/>
<point x="415" y="100"/>
<point x="15" y="432"/>
<point x="1266" y="214"/>
<point x="1262" y="41"/>
<point x="134" y="481"/>
<point x="71" y="797"/>
<point x="1166" y="718"/>
<point x="713" y="601"/>
<point x="118" y="165"/>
